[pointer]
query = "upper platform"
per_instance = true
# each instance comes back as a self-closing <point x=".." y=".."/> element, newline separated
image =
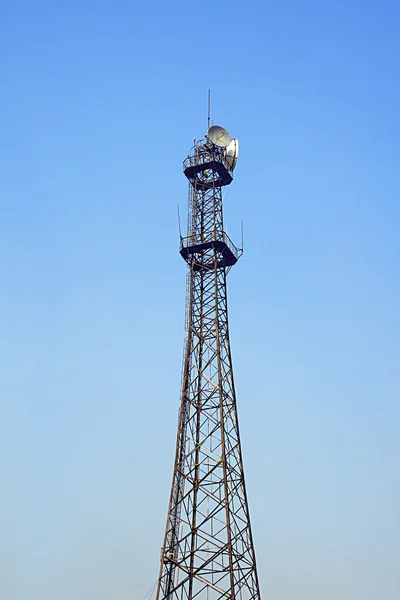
<point x="205" y="157"/>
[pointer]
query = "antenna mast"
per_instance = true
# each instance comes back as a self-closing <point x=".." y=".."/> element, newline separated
<point x="209" y="108"/>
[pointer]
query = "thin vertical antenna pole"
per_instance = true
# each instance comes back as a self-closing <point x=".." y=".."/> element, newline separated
<point x="242" y="236"/>
<point x="209" y="109"/>
<point x="179" y="223"/>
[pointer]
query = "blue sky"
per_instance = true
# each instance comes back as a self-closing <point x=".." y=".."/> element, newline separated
<point x="99" y="106"/>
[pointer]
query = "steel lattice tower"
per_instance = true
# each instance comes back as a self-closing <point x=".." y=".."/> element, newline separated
<point x="208" y="550"/>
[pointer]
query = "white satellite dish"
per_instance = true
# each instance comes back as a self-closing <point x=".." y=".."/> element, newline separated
<point x="218" y="136"/>
<point x="231" y="154"/>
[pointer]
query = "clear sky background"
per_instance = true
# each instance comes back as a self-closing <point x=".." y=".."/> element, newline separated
<point x="99" y="105"/>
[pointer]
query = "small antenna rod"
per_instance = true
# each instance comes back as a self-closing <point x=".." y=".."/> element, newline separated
<point x="179" y="222"/>
<point x="209" y="108"/>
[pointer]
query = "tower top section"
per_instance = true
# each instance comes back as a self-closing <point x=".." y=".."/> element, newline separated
<point x="208" y="168"/>
<point x="218" y="153"/>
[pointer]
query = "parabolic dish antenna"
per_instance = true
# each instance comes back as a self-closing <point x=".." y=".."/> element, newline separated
<point x="218" y="136"/>
<point x="231" y="154"/>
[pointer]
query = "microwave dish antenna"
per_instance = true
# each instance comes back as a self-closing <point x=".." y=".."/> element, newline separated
<point x="218" y="136"/>
<point x="231" y="154"/>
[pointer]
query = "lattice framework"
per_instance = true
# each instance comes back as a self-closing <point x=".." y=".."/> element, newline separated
<point x="208" y="548"/>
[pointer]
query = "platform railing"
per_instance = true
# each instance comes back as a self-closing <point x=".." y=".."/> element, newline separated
<point x="196" y="239"/>
<point x="202" y="154"/>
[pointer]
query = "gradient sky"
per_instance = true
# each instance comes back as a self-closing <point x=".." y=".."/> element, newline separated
<point x="99" y="104"/>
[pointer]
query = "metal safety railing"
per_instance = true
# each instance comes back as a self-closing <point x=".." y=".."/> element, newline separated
<point x="201" y="154"/>
<point x="197" y="239"/>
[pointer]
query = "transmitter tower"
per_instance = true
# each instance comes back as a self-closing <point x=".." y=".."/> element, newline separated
<point x="208" y="551"/>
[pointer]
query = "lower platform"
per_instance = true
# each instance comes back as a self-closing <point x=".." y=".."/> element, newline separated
<point x="229" y="254"/>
